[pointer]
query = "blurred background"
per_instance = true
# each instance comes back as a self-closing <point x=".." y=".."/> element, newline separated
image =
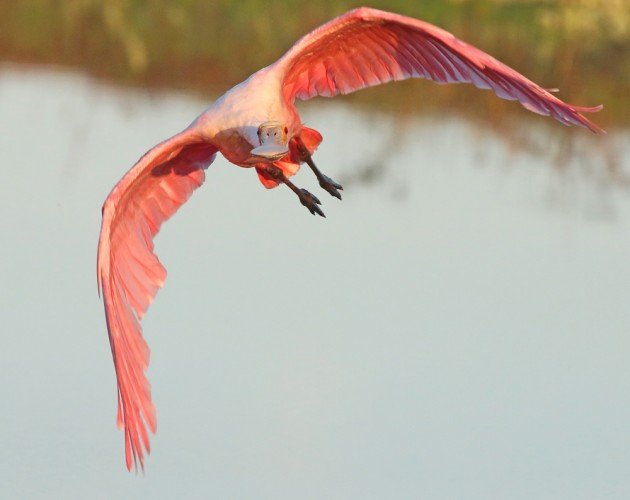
<point x="458" y="327"/>
<point x="206" y="46"/>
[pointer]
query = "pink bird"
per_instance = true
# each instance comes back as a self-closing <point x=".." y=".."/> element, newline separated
<point x="256" y="124"/>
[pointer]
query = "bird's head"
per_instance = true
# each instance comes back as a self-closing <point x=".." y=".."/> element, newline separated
<point x="273" y="141"/>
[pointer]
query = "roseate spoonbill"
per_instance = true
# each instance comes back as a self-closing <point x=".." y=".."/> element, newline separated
<point x="256" y="124"/>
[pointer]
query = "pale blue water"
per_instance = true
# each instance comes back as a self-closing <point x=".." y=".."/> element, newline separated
<point x="458" y="329"/>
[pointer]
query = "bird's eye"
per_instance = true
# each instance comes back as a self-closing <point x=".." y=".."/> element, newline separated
<point x="286" y="130"/>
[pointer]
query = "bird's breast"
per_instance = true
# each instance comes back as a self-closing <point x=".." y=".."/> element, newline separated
<point x="232" y="121"/>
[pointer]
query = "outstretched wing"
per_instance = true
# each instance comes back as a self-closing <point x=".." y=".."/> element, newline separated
<point x="367" y="47"/>
<point x="129" y="273"/>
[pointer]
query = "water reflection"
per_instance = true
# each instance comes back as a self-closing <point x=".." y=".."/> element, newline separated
<point x="598" y="160"/>
<point x="468" y="340"/>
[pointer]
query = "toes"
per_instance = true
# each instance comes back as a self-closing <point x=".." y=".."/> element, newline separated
<point x="318" y="211"/>
<point x="311" y="201"/>
<point x="331" y="186"/>
<point x="309" y="197"/>
<point x="333" y="183"/>
<point x="333" y="191"/>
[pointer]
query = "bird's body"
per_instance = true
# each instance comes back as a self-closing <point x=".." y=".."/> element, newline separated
<point x="232" y="121"/>
<point x="256" y="124"/>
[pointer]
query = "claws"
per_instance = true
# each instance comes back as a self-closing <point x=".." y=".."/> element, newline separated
<point x="310" y="201"/>
<point x="331" y="186"/>
<point x="324" y="181"/>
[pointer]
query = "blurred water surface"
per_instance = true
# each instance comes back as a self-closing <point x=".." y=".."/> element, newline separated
<point x="457" y="327"/>
<point x="580" y="46"/>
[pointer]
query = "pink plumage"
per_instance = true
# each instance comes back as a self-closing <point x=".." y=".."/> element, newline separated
<point x="362" y="48"/>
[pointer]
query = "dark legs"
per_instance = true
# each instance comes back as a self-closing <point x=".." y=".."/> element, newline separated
<point x="307" y="199"/>
<point x="324" y="181"/>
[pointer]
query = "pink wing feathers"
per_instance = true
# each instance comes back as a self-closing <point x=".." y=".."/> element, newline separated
<point x="367" y="47"/>
<point x="130" y="274"/>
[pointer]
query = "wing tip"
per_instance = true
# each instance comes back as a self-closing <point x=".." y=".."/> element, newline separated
<point x="592" y="126"/>
<point x="589" y="109"/>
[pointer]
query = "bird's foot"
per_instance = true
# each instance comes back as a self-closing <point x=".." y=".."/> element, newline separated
<point x="310" y="201"/>
<point x="324" y="181"/>
<point x="331" y="186"/>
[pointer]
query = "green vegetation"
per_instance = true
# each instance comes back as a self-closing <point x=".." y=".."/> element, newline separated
<point x="582" y="46"/>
